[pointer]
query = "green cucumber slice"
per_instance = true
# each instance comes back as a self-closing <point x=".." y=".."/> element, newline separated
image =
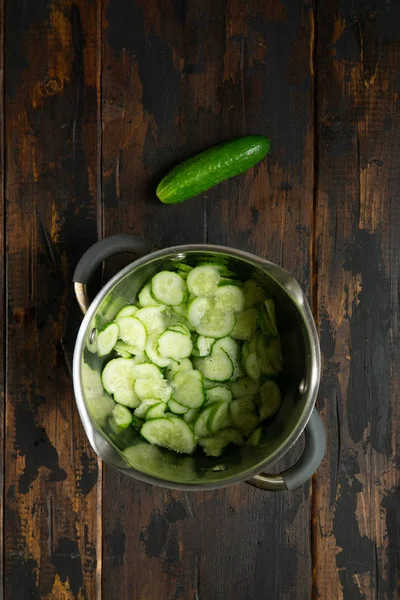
<point x="255" y="438"/>
<point x="231" y="297"/>
<point x="269" y="400"/>
<point x="133" y="332"/>
<point x="107" y="339"/>
<point x="153" y="354"/>
<point x="233" y="350"/>
<point x="203" y="171"/>
<point x="118" y="374"/>
<point x="178" y="367"/>
<point x="126" y="397"/>
<point x="147" y="371"/>
<point x="177" y="408"/>
<point x="126" y="311"/>
<point x="141" y="411"/>
<point x="253" y="293"/>
<point x="219" y="393"/>
<point x="152" y="388"/>
<point x="153" y="318"/>
<point x="188" y="389"/>
<point x="217" y="367"/>
<point x="201" y="428"/>
<point x="220" y="417"/>
<point x="244" y="387"/>
<point x="246" y="325"/>
<point x="175" y="345"/>
<point x="122" y="416"/>
<point x="215" y="445"/>
<point x="252" y="366"/>
<point x="267" y="318"/>
<point x="244" y="417"/>
<point x="172" y="433"/>
<point x="145" y="297"/>
<point x="203" y="281"/>
<point x="169" y="288"/>
<point x="156" y="411"/>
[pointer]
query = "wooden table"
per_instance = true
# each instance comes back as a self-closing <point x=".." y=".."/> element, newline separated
<point x="100" y="99"/>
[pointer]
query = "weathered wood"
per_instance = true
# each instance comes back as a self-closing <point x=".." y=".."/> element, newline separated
<point x="356" y="503"/>
<point x="178" y="77"/>
<point x="52" y="526"/>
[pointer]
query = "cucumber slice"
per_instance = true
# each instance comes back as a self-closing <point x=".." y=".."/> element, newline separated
<point x="107" y="339"/>
<point x="267" y="318"/>
<point x="209" y="319"/>
<point x="153" y="388"/>
<point x="122" y="416"/>
<point x="180" y="328"/>
<point x="153" y="318"/>
<point x="220" y="393"/>
<point x="126" y="311"/>
<point x="191" y="416"/>
<point x="126" y="397"/>
<point x="145" y="297"/>
<point x="269" y="355"/>
<point x="172" y="433"/>
<point x="220" y="417"/>
<point x="253" y="293"/>
<point x="181" y="310"/>
<point x="184" y="268"/>
<point x="231" y="297"/>
<point x="244" y="415"/>
<point x="270" y="400"/>
<point x="203" y="281"/>
<point x="233" y="350"/>
<point x="201" y="428"/>
<point x="204" y="345"/>
<point x="118" y="374"/>
<point x="246" y="325"/>
<point x="142" y="410"/>
<point x="123" y="349"/>
<point x="177" y="408"/>
<point x="169" y="288"/>
<point x="178" y="367"/>
<point x="255" y="438"/>
<point x="208" y="384"/>
<point x="133" y="332"/>
<point x="153" y="354"/>
<point x="175" y="345"/>
<point x="200" y="172"/>
<point x="214" y="446"/>
<point x="217" y="367"/>
<point x="147" y="371"/>
<point x="222" y="269"/>
<point x="252" y="367"/>
<point x="188" y="389"/>
<point x="156" y="411"/>
<point x="244" y="387"/>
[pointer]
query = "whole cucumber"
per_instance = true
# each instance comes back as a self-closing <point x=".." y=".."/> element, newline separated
<point x="203" y="171"/>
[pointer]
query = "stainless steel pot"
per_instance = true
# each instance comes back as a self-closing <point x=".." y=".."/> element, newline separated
<point x="137" y="459"/>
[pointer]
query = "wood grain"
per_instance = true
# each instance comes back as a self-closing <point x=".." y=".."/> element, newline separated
<point x="178" y="77"/>
<point x="3" y="324"/>
<point x="51" y="524"/>
<point x="357" y="496"/>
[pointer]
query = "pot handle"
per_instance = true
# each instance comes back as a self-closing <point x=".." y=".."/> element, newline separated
<point x="97" y="253"/>
<point x="305" y="468"/>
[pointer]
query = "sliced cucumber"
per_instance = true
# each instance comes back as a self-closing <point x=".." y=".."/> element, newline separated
<point x="191" y="416"/>
<point x="145" y="297"/>
<point x="233" y="350"/>
<point x="133" y="332"/>
<point x="169" y="288"/>
<point x="255" y="438"/>
<point x="220" y="417"/>
<point x="122" y="416"/>
<point x="231" y="297"/>
<point x="153" y="388"/>
<point x="201" y="428"/>
<point x="175" y="345"/>
<point x="208" y="384"/>
<point x="246" y="325"/>
<point x="147" y="371"/>
<point x="204" y="345"/>
<point x="126" y="397"/>
<point x="269" y="355"/>
<point x="179" y="328"/>
<point x="107" y="339"/>
<point x="118" y="374"/>
<point x="172" y="433"/>
<point x="153" y="318"/>
<point x="203" y="281"/>
<point x="267" y="318"/>
<point x="123" y="349"/>
<point x="217" y="367"/>
<point x="221" y="268"/>
<point x="270" y="399"/>
<point x="252" y="366"/>
<point x="126" y="311"/>
<point x="253" y="293"/>
<point x="156" y="411"/>
<point x="141" y="411"/>
<point x="215" y="445"/>
<point x="178" y="367"/>
<point x="244" y="387"/>
<point x="188" y="389"/>
<point x="177" y="408"/>
<point x="209" y="319"/>
<point x="153" y="354"/>
<point x="244" y="415"/>
<point x="219" y="393"/>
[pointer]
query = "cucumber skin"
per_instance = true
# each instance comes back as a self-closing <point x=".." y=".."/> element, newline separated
<point x="203" y="171"/>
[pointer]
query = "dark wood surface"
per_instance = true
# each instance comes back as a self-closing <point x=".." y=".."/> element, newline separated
<point x="100" y="99"/>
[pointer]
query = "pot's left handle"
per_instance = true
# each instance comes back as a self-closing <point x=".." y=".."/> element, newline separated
<point x="97" y="253"/>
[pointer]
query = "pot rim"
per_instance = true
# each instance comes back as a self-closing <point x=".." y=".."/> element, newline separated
<point x="293" y="290"/>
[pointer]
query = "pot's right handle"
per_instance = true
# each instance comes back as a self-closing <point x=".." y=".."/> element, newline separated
<point x="305" y="468"/>
<point x="97" y="253"/>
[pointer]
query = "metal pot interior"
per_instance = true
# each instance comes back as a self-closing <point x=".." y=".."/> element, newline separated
<point x="128" y="451"/>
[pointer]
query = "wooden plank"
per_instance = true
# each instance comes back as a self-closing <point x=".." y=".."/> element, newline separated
<point x="357" y="500"/>
<point x="51" y="481"/>
<point x="178" y="77"/>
